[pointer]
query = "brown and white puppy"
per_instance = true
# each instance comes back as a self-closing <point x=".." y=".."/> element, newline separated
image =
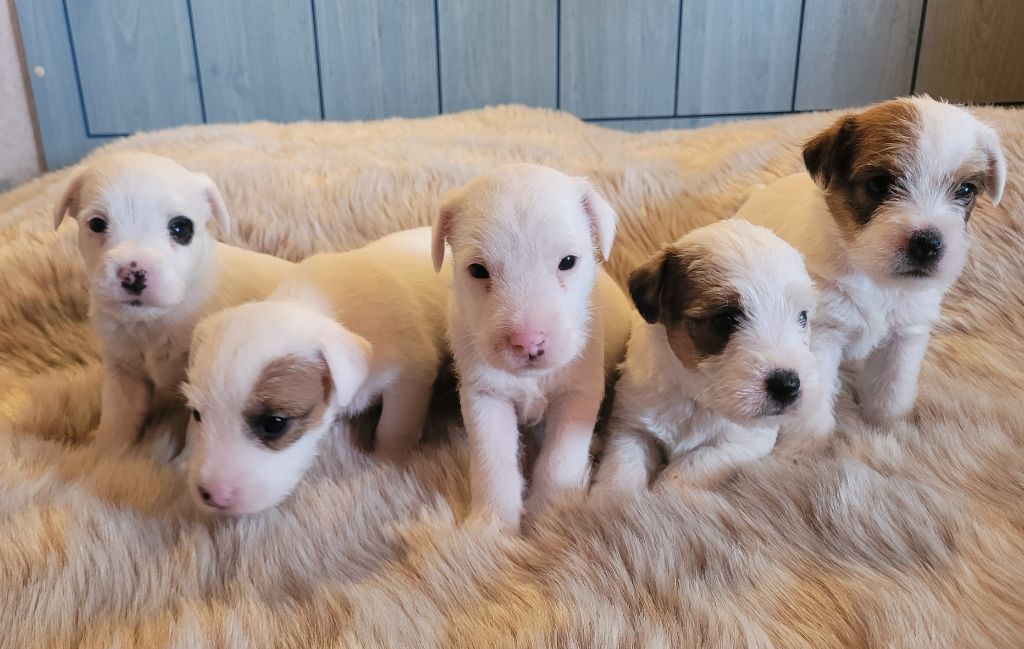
<point x="881" y="219"/>
<point x="718" y="358"/>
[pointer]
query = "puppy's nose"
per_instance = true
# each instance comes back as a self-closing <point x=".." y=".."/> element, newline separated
<point x="133" y="278"/>
<point x="528" y="343"/>
<point x="217" y="497"/>
<point x="783" y="386"/>
<point x="925" y="246"/>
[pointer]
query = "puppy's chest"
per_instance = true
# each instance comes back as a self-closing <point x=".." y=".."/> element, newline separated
<point x="159" y="355"/>
<point x="868" y="316"/>
<point x="531" y="402"/>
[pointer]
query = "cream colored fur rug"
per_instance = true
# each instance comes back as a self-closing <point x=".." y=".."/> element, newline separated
<point x="908" y="537"/>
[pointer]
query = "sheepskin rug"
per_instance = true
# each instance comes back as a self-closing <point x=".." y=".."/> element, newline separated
<point x="911" y="536"/>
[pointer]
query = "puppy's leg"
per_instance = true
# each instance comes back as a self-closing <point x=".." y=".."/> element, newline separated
<point x="812" y="431"/>
<point x="404" y="408"/>
<point x="708" y="465"/>
<point x="628" y="462"/>
<point x="561" y="467"/>
<point x="494" y="477"/>
<point x="126" y="400"/>
<point x="887" y="384"/>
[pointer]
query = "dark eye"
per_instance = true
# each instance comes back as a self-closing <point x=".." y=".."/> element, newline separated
<point x="879" y="187"/>
<point x="478" y="271"/>
<point x="195" y="415"/>
<point x="97" y="225"/>
<point x="725" y="321"/>
<point x="270" y="427"/>
<point x="568" y="263"/>
<point x="802" y="318"/>
<point x="965" y="191"/>
<point x="181" y="230"/>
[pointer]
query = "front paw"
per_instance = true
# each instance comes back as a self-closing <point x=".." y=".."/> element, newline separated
<point x="883" y="413"/>
<point x="507" y="518"/>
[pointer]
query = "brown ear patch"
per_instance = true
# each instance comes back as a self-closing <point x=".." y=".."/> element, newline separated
<point x="293" y="388"/>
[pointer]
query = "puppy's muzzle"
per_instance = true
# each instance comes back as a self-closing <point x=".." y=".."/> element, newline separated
<point x="216" y="497"/>
<point x="783" y="388"/>
<point x="133" y="278"/>
<point x="923" y="251"/>
<point x="527" y="345"/>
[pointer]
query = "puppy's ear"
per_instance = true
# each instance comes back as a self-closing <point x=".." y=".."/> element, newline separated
<point x="347" y="356"/>
<point x="218" y="210"/>
<point x="995" y="181"/>
<point x="450" y="209"/>
<point x="647" y="285"/>
<point x="601" y="216"/>
<point x="825" y="153"/>
<point x="70" y="200"/>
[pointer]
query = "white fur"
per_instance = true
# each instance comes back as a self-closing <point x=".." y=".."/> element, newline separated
<point x="376" y="315"/>
<point x="145" y="338"/>
<point x="867" y="311"/>
<point x="520" y="222"/>
<point x="708" y="419"/>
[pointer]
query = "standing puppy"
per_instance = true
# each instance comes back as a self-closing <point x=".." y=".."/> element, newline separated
<point x="534" y="325"/>
<point x="720" y="357"/>
<point x="155" y="269"/>
<point x="882" y="222"/>
<point x="343" y="331"/>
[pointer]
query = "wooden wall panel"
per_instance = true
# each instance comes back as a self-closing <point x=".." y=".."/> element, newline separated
<point x="136" y="64"/>
<point x="618" y="57"/>
<point x="855" y="52"/>
<point x="377" y="59"/>
<point x="737" y="56"/>
<point x="973" y="51"/>
<point x="498" y="52"/>
<point x="257" y="60"/>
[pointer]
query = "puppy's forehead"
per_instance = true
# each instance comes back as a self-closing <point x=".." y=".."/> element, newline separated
<point x="138" y="185"/>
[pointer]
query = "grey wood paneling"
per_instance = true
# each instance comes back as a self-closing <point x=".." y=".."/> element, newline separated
<point x="497" y="52"/>
<point x="377" y="59"/>
<point x="618" y="57"/>
<point x="973" y="51"/>
<point x="257" y="59"/>
<point x="855" y="52"/>
<point x="135" y="63"/>
<point x="58" y="108"/>
<point x="737" y="56"/>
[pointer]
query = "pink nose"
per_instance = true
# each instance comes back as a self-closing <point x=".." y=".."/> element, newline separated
<point x="527" y="343"/>
<point x="218" y="497"/>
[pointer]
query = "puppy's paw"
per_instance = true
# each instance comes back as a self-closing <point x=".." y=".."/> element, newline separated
<point x="884" y="413"/>
<point x="508" y="520"/>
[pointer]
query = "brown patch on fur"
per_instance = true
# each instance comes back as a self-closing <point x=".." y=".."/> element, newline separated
<point x="294" y="388"/>
<point x="857" y="148"/>
<point x="677" y="291"/>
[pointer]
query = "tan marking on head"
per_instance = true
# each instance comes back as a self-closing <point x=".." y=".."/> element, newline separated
<point x="292" y="387"/>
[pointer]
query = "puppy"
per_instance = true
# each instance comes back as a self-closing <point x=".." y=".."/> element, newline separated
<point x="155" y="269"/>
<point x="881" y="219"/>
<point x="342" y="332"/>
<point x="719" y="357"/>
<point x="534" y="325"/>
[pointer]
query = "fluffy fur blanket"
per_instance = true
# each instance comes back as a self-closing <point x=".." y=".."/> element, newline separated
<point x="909" y="536"/>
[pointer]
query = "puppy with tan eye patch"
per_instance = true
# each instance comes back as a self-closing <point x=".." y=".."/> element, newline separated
<point x="881" y="217"/>
<point x="718" y="358"/>
<point x="155" y="269"/>
<point x="342" y="332"/>
<point x="535" y="327"/>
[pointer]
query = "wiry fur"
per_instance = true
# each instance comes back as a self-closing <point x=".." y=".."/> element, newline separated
<point x="909" y="535"/>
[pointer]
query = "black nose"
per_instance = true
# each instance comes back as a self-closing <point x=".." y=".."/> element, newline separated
<point x="925" y="246"/>
<point x="134" y="282"/>
<point x="204" y="494"/>
<point x="783" y="386"/>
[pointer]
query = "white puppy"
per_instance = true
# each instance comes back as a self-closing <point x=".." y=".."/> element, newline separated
<point x="882" y="223"/>
<point x="719" y="357"/>
<point x="155" y="269"/>
<point x="343" y="331"/>
<point x="534" y="325"/>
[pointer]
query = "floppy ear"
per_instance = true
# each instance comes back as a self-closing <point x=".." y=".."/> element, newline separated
<point x="218" y="210"/>
<point x="995" y="181"/>
<point x="826" y="151"/>
<point x="442" y="229"/>
<point x="646" y="284"/>
<point x="601" y="216"/>
<point x="348" y="359"/>
<point x="69" y="201"/>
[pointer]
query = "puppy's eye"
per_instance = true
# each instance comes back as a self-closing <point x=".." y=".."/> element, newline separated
<point x="879" y="187"/>
<point x="271" y="427"/>
<point x="97" y="225"/>
<point x="965" y="191"/>
<point x="725" y="321"/>
<point x="181" y="230"/>
<point x="568" y="263"/>
<point x="195" y="415"/>
<point x="478" y="271"/>
<point x="802" y="318"/>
